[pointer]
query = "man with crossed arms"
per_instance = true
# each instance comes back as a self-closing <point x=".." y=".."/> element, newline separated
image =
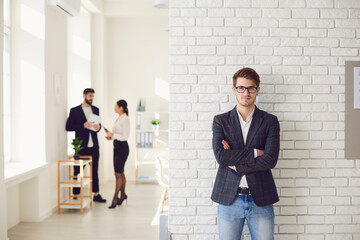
<point x="246" y="142"/>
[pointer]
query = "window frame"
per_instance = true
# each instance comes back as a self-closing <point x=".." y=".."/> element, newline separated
<point x="7" y="122"/>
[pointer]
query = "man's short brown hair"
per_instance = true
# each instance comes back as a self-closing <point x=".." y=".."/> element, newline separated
<point x="88" y="90"/>
<point x="247" y="73"/>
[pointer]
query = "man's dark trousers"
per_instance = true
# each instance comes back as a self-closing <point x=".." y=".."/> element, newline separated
<point x="94" y="152"/>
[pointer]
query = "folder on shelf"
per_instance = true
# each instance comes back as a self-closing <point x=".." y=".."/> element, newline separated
<point x="150" y="139"/>
<point x="142" y="144"/>
<point x="146" y="139"/>
<point x="138" y="124"/>
<point x="138" y="140"/>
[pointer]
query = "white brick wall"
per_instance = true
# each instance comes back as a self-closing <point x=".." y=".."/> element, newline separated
<point x="299" y="48"/>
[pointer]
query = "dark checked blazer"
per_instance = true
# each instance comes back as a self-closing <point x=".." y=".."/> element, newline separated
<point x="264" y="134"/>
<point x="75" y="122"/>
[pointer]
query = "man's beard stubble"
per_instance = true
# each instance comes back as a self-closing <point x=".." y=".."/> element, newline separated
<point x="88" y="102"/>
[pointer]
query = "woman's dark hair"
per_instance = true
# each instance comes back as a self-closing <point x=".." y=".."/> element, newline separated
<point x="122" y="103"/>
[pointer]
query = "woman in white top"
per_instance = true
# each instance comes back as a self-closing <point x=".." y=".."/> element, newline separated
<point x="120" y="134"/>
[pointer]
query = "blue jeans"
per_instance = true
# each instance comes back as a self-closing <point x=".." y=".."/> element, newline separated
<point x="231" y="219"/>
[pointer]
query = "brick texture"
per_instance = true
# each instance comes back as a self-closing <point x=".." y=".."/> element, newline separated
<point x="299" y="48"/>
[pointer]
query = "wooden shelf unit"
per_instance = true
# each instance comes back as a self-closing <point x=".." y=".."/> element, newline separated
<point x="83" y="181"/>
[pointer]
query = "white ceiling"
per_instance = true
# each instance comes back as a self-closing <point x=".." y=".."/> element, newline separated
<point x="133" y="8"/>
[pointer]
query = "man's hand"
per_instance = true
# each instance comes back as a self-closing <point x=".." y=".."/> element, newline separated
<point x="227" y="147"/>
<point x="108" y="138"/>
<point x="87" y="124"/>
<point x="259" y="152"/>
<point x="96" y="126"/>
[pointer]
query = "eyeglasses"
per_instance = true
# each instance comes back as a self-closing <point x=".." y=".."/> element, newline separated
<point x="242" y="89"/>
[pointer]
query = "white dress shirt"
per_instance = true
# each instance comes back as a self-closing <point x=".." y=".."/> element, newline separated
<point x="88" y="112"/>
<point x="121" y="128"/>
<point x="245" y="126"/>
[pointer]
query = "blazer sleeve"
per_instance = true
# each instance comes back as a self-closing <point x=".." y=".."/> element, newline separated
<point x="71" y="124"/>
<point x="228" y="157"/>
<point x="271" y="152"/>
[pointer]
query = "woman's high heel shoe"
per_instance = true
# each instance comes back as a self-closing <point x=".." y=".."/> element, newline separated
<point x="113" y="205"/>
<point x="120" y="201"/>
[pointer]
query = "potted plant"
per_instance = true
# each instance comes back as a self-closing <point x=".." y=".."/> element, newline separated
<point x="76" y="142"/>
<point x="155" y="126"/>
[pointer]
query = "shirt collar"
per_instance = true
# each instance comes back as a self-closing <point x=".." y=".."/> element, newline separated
<point x="122" y="116"/>
<point x="248" y="119"/>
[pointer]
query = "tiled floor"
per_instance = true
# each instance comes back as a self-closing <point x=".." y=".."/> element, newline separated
<point x="131" y="221"/>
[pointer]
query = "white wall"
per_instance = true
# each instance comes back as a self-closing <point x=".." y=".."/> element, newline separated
<point x="79" y="57"/>
<point x="41" y="190"/>
<point x="3" y="220"/>
<point x="13" y="206"/>
<point x="56" y="138"/>
<point x="136" y="53"/>
<point x="98" y="63"/>
<point x="299" y="49"/>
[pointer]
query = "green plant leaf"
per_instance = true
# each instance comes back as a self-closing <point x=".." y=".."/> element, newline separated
<point x="155" y="122"/>
<point x="76" y="143"/>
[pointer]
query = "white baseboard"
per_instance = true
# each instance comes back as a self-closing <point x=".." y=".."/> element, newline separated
<point x="48" y="213"/>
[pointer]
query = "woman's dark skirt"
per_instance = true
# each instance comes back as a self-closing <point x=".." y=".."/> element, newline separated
<point x="121" y="153"/>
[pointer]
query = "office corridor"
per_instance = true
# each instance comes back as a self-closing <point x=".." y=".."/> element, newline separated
<point x="131" y="221"/>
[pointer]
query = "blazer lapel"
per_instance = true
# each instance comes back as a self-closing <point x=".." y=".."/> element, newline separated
<point x="93" y="110"/>
<point x="255" y="124"/>
<point x="237" y="127"/>
<point x="81" y="111"/>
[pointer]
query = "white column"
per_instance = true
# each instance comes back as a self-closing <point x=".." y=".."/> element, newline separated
<point x="3" y="223"/>
<point x="98" y="82"/>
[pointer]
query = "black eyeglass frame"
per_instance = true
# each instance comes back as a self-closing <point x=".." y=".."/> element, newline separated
<point x="249" y="89"/>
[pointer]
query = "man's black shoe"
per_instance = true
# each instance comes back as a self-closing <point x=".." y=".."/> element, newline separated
<point x="98" y="198"/>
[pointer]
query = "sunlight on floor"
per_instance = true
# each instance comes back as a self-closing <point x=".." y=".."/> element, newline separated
<point x="99" y="222"/>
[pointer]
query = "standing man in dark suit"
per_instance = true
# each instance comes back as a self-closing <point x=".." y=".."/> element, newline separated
<point x="246" y="144"/>
<point x="78" y="122"/>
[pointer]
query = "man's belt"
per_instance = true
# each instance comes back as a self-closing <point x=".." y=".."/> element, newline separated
<point x="243" y="191"/>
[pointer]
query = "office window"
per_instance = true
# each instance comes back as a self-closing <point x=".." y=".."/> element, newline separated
<point x="6" y="83"/>
<point x="79" y="61"/>
<point x="7" y="12"/>
<point x="27" y="82"/>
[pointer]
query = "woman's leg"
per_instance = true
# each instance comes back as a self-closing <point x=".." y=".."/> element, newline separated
<point x="117" y="187"/>
<point x="125" y="155"/>
<point x="123" y="184"/>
